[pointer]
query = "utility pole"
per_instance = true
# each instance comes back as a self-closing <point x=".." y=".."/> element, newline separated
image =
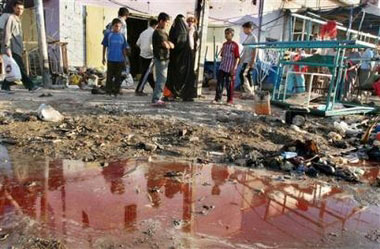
<point x="42" y="42"/>
<point x="348" y="35"/>
<point x="261" y="7"/>
<point x="202" y="9"/>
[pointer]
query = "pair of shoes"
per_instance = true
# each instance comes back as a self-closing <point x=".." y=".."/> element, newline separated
<point x="141" y="94"/>
<point x="216" y="101"/>
<point x="230" y="102"/>
<point x="35" y="89"/>
<point x="159" y="103"/>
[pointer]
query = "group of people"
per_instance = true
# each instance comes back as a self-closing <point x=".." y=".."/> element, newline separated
<point x="172" y="56"/>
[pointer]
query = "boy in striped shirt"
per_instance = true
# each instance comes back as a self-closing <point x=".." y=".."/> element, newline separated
<point x="230" y="60"/>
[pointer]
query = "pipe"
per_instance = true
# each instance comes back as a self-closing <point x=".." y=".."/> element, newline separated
<point x="338" y="27"/>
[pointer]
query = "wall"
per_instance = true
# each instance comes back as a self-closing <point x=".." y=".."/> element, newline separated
<point x="72" y="30"/>
<point x="29" y="29"/>
<point x="96" y="20"/>
<point x="52" y="15"/>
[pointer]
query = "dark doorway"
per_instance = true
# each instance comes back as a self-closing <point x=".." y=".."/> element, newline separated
<point x="135" y="27"/>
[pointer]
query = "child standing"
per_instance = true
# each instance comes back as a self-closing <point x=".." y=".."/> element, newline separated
<point x="115" y="44"/>
<point x="230" y="60"/>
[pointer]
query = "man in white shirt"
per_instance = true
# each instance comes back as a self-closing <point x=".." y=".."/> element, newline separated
<point x="248" y="60"/>
<point x="146" y="57"/>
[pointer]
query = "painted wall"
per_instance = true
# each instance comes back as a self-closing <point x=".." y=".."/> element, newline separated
<point x="52" y="19"/>
<point x="72" y="30"/>
<point x="96" y="20"/>
<point x="29" y="29"/>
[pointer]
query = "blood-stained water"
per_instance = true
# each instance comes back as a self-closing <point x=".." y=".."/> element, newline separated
<point x="79" y="203"/>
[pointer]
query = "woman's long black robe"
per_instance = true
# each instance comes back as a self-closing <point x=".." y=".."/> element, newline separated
<point x="181" y="75"/>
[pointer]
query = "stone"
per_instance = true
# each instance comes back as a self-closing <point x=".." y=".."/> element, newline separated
<point x="150" y="147"/>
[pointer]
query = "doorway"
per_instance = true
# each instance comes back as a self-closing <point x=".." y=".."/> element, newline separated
<point x="135" y="27"/>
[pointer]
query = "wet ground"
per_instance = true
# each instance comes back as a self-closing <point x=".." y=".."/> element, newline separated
<point x="141" y="204"/>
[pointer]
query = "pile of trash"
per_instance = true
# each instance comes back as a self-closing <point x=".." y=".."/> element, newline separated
<point x="89" y="79"/>
<point x="83" y="77"/>
<point x="354" y="140"/>
<point x="306" y="158"/>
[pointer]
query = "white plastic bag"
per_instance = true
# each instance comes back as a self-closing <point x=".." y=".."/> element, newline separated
<point x="49" y="114"/>
<point x="128" y="82"/>
<point x="12" y="70"/>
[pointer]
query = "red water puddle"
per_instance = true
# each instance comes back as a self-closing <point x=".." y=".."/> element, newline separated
<point x="79" y="202"/>
<point x="371" y="171"/>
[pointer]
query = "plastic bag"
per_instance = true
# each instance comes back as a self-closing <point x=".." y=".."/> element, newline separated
<point x="12" y="70"/>
<point x="128" y="82"/>
<point x="49" y="114"/>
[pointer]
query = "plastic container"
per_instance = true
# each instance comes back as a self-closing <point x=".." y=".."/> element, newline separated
<point x="262" y="103"/>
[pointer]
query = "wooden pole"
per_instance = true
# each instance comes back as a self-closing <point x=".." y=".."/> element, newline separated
<point x="42" y="42"/>
<point x="201" y="54"/>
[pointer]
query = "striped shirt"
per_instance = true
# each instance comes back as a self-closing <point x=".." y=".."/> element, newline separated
<point x="230" y="53"/>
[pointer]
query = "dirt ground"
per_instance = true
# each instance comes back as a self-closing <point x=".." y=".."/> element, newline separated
<point x="98" y="127"/>
<point x="103" y="129"/>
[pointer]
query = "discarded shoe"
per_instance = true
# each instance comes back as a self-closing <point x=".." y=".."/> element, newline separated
<point x="324" y="168"/>
<point x="312" y="172"/>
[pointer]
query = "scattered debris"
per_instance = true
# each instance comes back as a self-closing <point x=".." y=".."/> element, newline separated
<point x="374" y="236"/>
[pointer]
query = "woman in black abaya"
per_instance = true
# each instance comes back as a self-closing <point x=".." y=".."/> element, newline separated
<point x="181" y="75"/>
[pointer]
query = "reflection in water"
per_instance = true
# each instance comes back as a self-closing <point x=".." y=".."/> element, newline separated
<point x="81" y="201"/>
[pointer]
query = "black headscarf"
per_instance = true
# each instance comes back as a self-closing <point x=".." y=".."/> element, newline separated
<point x="179" y="32"/>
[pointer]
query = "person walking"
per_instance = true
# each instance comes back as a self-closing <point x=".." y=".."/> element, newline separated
<point x="115" y="44"/>
<point x="146" y="57"/>
<point x="227" y="69"/>
<point x="161" y="53"/>
<point x="181" y="75"/>
<point x="13" y="46"/>
<point x="248" y="60"/>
